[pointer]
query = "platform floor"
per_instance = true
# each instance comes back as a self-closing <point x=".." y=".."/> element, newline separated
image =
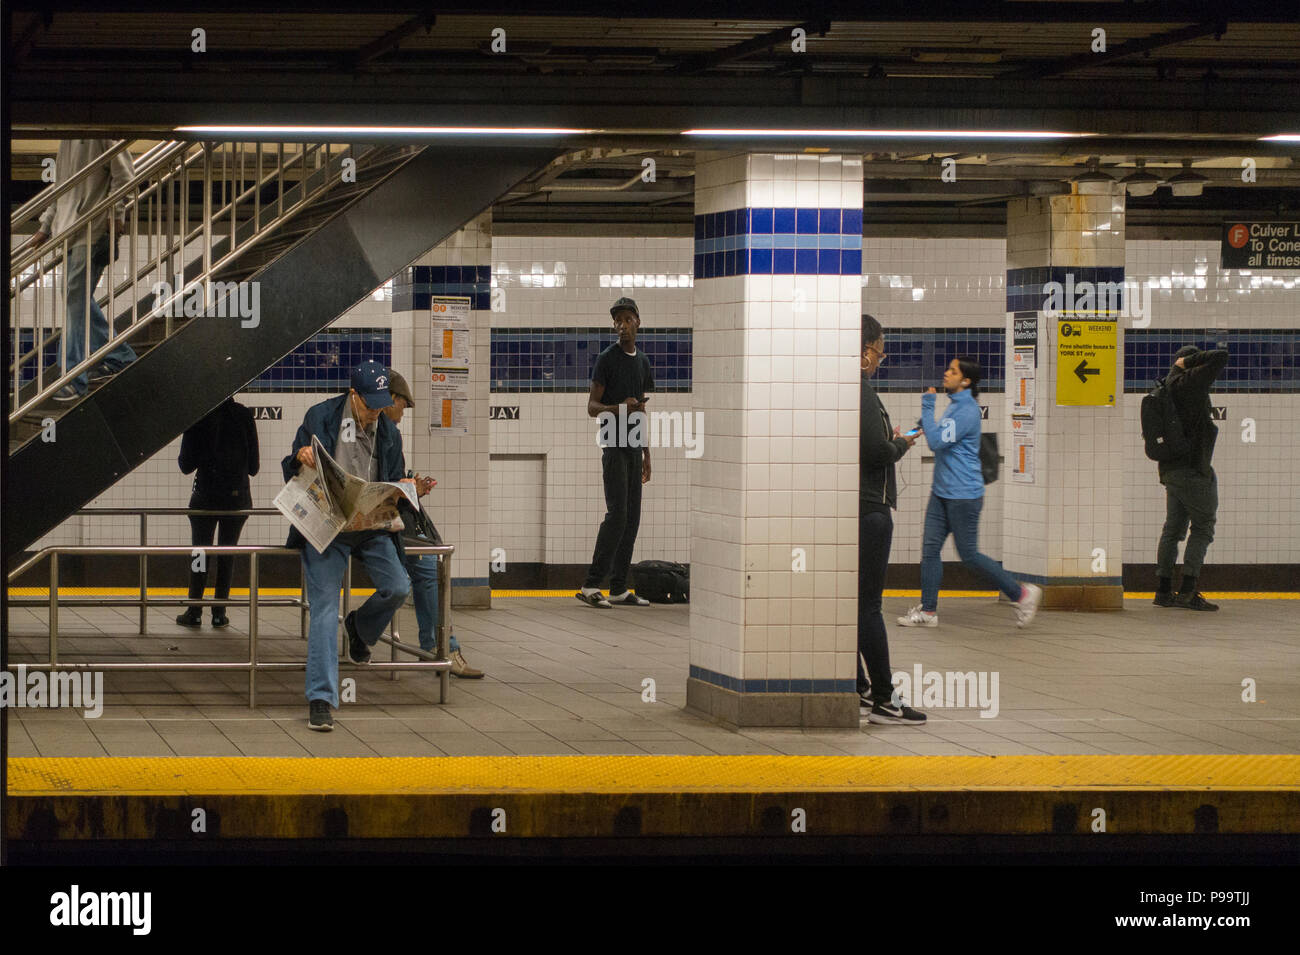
<point x="564" y="679"/>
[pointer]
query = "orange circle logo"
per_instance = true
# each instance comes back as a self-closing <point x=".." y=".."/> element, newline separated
<point x="1238" y="235"/>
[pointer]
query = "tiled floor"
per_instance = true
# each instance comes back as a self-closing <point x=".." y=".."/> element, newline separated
<point x="563" y="678"/>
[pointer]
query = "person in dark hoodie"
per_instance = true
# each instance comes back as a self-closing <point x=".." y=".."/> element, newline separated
<point x="1191" y="486"/>
<point x="222" y="448"/>
<point x="369" y="446"/>
<point x="879" y="446"/>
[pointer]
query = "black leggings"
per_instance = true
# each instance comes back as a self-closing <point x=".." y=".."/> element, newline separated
<point x="227" y="530"/>
<point x="875" y="533"/>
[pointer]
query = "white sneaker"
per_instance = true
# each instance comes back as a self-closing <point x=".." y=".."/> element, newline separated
<point x="916" y="617"/>
<point x="629" y="598"/>
<point x="1027" y="605"/>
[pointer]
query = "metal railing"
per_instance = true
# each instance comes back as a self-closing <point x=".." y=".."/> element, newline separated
<point x="437" y="661"/>
<point x="154" y="206"/>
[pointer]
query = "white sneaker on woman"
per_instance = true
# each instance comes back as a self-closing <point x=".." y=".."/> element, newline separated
<point x="1027" y="605"/>
<point x="916" y="617"/>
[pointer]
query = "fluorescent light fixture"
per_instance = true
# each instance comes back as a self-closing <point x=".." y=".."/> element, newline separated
<point x="1281" y="138"/>
<point x="1140" y="182"/>
<point x="384" y="130"/>
<point x="888" y="133"/>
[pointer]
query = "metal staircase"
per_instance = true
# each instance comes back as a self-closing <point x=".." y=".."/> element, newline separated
<point x="305" y="230"/>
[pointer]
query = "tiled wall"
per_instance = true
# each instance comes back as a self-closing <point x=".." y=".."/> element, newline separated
<point x="914" y="287"/>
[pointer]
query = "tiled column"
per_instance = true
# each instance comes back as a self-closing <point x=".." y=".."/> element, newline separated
<point x="778" y="264"/>
<point x="462" y="265"/>
<point x="1065" y="530"/>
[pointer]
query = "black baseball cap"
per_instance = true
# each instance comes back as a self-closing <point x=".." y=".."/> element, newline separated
<point x="370" y="381"/>
<point x="624" y="304"/>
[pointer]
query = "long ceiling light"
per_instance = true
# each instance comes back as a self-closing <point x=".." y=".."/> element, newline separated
<point x="890" y="133"/>
<point x="1281" y="138"/>
<point x="384" y="130"/>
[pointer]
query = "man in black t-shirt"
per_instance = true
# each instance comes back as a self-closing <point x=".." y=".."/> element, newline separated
<point x="619" y="385"/>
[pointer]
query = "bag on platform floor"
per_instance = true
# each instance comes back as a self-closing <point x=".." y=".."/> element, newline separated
<point x="662" y="581"/>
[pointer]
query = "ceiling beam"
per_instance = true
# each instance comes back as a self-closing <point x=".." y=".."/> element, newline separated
<point x="1124" y="50"/>
<point x="757" y="44"/>
<point x="389" y="41"/>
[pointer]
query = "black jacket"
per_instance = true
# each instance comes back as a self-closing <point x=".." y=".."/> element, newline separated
<point x="1190" y="388"/>
<point x="878" y="449"/>
<point x="223" y="449"/>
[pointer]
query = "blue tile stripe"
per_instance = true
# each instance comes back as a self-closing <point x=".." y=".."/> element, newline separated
<point x="414" y="289"/>
<point x="778" y="241"/>
<point x="1025" y="286"/>
<point x="1261" y="361"/>
<point x="562" y="359"/>
<point x="916" y="357"/>
<point x="325" y="361"/>
<point x="772" y="686"/>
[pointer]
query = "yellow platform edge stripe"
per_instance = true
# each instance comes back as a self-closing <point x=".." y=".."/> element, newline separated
<point x="293" y="592"/>
<point x="524" y="775"/>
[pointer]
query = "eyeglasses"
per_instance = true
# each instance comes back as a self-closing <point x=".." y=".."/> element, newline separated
<point x="881" y="359"/>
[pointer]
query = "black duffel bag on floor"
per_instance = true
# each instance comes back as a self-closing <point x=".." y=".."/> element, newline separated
<point x="662" y="581"/>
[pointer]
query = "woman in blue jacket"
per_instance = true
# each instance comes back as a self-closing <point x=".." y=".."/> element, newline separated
<point x="957" y="496"/>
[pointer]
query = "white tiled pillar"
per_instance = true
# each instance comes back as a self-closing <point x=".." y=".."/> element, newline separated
<point x="459" y="504"/>
<point x="1065" y="529"/>
<point x="778" y="262"/>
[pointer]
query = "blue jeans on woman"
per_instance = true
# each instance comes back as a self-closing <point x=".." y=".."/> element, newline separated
<point x="78" y="277"/>
<point x="961" y="519"/>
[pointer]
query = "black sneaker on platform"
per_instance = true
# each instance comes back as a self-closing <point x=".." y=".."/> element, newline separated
<point x="1165" y="599"/>
<point x="865" y="702"/>
<point x="318" y="716"/>
<point x="1194" y="601"/>
<point x="191" y="618"/>
<point x="889" y="713"/>
<point x="220" y="620"/>
<point x="358" y="652"/>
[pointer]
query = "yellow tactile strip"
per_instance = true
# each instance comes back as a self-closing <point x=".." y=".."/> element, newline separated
<point x="52" y="776"/>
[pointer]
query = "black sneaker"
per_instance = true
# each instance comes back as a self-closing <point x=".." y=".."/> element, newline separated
<point x="1194" y="601"/>
<point x="358" y="652"/>
<point x="596" y="599"/>
<point x="865" y="702"/>
<point x="220" y="620"/>
<point x="627" y="598"/>
<point x="1165" y="599"/>
<point x="889" y="713"/>
<point x="101" y="372"/>
<point x="318" y="716"/>
<point x="191" y="618"/>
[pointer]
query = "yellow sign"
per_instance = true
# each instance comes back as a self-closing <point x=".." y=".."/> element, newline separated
<point x="1085" y="362"/>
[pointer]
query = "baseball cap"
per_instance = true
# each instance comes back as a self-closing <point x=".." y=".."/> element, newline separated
<point x="370" y="381"/>
<point x="398" y="387"/>
<point x="624" y="303"/>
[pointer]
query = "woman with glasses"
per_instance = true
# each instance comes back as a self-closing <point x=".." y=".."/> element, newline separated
<point x="879" y="446"/>
<point x="957" y="497"/>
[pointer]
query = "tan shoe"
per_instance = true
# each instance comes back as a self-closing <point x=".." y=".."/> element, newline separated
<point x="462" y="669"/>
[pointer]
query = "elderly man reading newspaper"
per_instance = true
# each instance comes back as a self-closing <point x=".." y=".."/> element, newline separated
<point x="334" y="501"/>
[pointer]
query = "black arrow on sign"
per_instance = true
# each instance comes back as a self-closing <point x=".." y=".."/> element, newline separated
<point x="1083" y="371"/>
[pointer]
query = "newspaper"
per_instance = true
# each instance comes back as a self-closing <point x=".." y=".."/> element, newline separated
<point x="325" y="501"/>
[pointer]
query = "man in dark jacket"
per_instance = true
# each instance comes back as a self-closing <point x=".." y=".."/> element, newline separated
<point x="879" y="446"/>
<point x="1191" y="486"/>
<point x="223" y="449"/>
<point x="367" y="444"/>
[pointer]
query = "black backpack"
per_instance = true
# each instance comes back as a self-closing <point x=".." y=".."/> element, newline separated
<point x="1162" y="431"/>
<point x="662" y="581"/>
<point x="989" y="456"/>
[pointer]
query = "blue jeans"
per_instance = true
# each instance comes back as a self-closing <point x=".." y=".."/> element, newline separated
<point x="424" y="590"/>
<point x="324" y="580"/>
<point x="961" y="519"/>
<point x="119" y="357"/>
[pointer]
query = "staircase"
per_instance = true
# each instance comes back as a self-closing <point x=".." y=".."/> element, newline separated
<point x="317" y="227"/>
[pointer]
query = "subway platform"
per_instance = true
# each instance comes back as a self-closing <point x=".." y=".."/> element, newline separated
<point x="1134" y="721"/>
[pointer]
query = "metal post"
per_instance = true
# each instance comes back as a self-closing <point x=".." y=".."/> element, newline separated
<point x="347" y="601"/>
<point x="144" y="575"/>
<point x="304" y="607"/>
<point x="252" y="631"/>
<point x="444" y="621"/>
<point x="54" y="607"/>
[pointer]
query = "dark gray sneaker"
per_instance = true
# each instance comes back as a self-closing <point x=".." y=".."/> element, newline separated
<point x="318" y="716"/>
<point x="358" y="652"/>
<point x="889" y="713"/>
<point x="1194" y="601"/>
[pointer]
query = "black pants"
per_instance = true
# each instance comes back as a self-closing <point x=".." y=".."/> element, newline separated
<point x="617" y="537"/>
<point x="227" y="530"/>
<point x="875" y="533"/>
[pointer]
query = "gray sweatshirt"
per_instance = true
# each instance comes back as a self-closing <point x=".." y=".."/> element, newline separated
<point x="73" y="155"/>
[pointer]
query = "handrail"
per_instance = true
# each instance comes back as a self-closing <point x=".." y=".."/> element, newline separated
<point x="52" y="192"/>
<point x="440" y="662"/>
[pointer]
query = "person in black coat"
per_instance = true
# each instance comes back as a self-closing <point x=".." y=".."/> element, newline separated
<point x="222" y="448"/>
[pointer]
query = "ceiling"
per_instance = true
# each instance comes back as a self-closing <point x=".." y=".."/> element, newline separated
<point x="1175" y="81"/>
